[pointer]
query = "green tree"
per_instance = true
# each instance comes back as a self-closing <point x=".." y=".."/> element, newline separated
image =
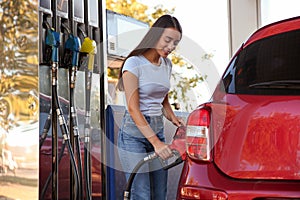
<point x="182" y="85"/>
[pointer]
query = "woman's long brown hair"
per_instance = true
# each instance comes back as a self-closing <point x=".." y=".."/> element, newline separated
<point x="150" y="39"/>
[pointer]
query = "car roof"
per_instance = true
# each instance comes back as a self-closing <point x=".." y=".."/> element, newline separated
<point x="274" y="28"/>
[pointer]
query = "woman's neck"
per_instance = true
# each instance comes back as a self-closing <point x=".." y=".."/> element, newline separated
<point x="152" y="56"/>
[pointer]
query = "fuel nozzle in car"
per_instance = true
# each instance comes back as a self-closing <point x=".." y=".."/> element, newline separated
<point x="178" y="147"/>
<point x="179" y="154"/>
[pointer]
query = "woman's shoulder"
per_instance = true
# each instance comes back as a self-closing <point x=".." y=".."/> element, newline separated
<point x="133" y="63"/>
<point x="134" y="59"/>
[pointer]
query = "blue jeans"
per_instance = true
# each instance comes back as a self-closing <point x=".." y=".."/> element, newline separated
<point x="151" y="180"/>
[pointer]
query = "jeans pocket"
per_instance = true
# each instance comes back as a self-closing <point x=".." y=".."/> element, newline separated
<point x="129" y="127"/>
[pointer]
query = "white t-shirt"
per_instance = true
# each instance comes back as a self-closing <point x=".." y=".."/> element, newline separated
<point x="153" y="80"/>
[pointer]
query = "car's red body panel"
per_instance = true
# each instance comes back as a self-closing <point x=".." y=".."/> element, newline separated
<point x="205" y="177"/>
<point x="260" y="136"/>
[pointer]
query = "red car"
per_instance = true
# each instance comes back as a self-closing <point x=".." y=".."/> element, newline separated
<point x="244" y="144"/>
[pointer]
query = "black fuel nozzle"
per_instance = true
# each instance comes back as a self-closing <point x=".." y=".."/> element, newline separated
<point x="66" y="59"/>
<point x="71" y="58"/>
<point x="53" y="41"/>
<point x="50" y="41"/>
<point x="179" y="141"/>
<point x="178" y="147"/>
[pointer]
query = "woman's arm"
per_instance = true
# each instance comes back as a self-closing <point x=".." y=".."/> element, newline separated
<point x="130" y="82"/>
<point x="169" y="113"/>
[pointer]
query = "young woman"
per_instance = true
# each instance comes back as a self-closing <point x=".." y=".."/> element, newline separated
<point x="145" y="78"/>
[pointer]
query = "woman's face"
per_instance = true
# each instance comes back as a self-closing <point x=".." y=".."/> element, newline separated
<point x="168" y="42"/>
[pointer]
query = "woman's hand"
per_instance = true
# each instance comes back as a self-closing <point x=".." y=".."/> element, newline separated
<point x="162" y="150"/>
<point x="177" y="121"/>
<point x="170" y="115"/>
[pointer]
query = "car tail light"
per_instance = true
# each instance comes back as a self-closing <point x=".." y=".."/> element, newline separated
<point x="202" y="193"/>
<point x="197" y="134"/>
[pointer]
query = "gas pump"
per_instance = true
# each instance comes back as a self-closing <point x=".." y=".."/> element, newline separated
<point x="89" y="48"/>
<point x="71" y="61"/>
<point x="88" y="65"/>
<point x="51" y="58"/>
<point x="70" y="73"/>
<point x="45" y="23"/>
<point x="53" y="40"/>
